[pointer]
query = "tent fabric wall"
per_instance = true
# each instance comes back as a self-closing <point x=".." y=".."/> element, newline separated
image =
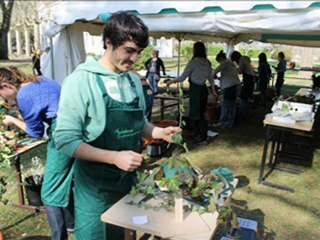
<point x="220" y="21"/>
<point x="68" y="52"/>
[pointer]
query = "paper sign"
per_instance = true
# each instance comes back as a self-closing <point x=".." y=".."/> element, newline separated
<point x="247" y="223"/>
<point x="140" y="220"/>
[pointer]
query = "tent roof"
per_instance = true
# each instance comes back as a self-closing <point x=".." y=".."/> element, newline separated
<point x="288" y="22"/>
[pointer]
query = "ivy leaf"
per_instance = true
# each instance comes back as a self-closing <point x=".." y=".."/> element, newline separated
<point x="225" y="214"/>
<point x="185" y="147"/>
<point x="177" y="138"/>
<point x="150" y="190"/>
<point x="158" y="173"/>
<point x="180" y="92"/>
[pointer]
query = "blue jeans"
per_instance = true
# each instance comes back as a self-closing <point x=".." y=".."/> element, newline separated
<point x="60" y="219"/>
<point x="228" y="112"/>
<point x="153" y="79"/>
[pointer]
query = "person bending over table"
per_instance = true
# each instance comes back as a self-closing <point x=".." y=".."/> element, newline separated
<point x="100" y="123"/>
<point x="38" y="99"/>
<point x="199" y="71"/>
<point x="229" y="83"/>
<point x="244" y="68"/>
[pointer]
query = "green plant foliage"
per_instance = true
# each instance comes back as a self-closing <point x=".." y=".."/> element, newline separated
<point x="214" y="50"/>
<point x="186" y="50"/>
<point x="3" y="189"/>
<point x="6" y="139"/>
<point x="177" y="178"/>
<point x="145" y="55"/>
<point x="178" y="139"/>
<point x="9" y="136"/>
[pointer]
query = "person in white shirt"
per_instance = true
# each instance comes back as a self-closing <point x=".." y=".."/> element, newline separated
<point x="199" y="71"/>
<point x="229" y="82"/>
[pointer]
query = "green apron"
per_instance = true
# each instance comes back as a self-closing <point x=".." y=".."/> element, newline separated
<point x="198" y="95"/>
<point x="98" y="186"/>
<point x="57" y="183"/>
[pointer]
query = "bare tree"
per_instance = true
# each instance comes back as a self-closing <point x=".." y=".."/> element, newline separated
<point x="6" y="10"/>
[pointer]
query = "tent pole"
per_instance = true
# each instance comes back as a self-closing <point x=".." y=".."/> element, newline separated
<point x="51" y="58"/>
<point x="179" y="48"/>
<point x="229" y="48"/>
<point x="180" y="84"/>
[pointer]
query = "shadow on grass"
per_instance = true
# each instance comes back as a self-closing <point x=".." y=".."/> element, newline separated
<point x="243" y="181"/>
<point x="312" y="211"/>
<point x="257" y="215"/>
<point x="18" y="222"/>
<point x="16" y="61"/>
<point x="241" y="209"/>
<point x="37" y="238"/>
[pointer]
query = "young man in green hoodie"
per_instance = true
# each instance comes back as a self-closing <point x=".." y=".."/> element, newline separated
<point x="100" y="123"/>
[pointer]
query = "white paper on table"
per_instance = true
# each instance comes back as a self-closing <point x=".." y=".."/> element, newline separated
<point x="140" y="220"/>
<point x="247" y="223"/>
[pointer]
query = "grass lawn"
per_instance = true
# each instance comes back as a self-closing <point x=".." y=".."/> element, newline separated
<point x="281" y="215"/>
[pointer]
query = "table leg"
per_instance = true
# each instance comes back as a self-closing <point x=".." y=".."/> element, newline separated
<point x="276" y="145"/>
<point x="264" y="155"/>
<point x="19" y="180"/>
<point x="161" y="108"/>
<point x="145" y="236"/>
<point x="271" y="157"/>
<point x="279" y="143"/>
<point x="129" y="234"/>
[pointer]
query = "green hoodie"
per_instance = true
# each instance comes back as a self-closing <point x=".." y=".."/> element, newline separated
<point x="81" y="115"/>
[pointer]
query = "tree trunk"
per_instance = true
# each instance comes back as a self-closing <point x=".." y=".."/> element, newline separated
<point x="6" y="8"/>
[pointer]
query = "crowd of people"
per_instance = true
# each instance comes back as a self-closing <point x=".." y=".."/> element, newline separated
<point x="92" y="155"/>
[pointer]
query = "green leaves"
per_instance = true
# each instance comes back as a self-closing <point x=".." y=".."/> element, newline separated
<point x="225" y="213"/>
<point x="3" y="189"/>
<point x="178" y="139"/>
<point x="175" y="177"/>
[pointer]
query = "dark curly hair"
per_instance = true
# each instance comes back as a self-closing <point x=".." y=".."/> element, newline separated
<point x="124" y="26"/>
<point x="221" y="56"/>
<point x="235" y="56"/>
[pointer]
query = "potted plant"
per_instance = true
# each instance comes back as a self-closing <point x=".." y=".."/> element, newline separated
<point x="178" y="179"/>
<point x="33" y="178"/>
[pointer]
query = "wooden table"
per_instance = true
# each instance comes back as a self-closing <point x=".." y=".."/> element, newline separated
<point x="274" y="133"/>
<point x="21" y="193"/>
<point x="165" y="97"/>
<point x="162" y="223"/>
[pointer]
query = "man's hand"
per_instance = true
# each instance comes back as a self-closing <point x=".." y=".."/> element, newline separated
<point x="168" y="132"/>
<point x="128" y="160"/>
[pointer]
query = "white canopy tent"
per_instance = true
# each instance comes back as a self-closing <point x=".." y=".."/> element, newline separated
<point x="286" y="22"/>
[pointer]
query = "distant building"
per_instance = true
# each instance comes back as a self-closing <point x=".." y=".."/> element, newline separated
<point x="165" y="46"/>
<point x="93" y="45"/>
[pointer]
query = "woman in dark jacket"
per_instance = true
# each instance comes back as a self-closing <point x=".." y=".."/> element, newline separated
<point x="153" y="65"/>
<point x="264" y="77"/>
<point x="36" y="64"/>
